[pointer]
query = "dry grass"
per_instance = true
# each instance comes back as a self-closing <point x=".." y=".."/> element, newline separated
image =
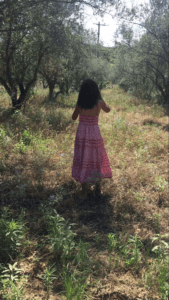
<point x="36" y="166"/>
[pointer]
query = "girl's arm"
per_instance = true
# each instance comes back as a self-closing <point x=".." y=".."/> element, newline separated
<point x="75" y="113"/>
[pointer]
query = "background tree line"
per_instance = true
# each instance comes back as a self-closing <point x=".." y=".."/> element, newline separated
<point x="44" y="41"/>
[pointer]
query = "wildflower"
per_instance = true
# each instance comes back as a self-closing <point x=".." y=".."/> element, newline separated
<point x="145" y="147"/>
<point x="63" y="154"/>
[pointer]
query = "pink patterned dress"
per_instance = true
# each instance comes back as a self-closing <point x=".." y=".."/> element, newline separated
<point x="90" y="160"/>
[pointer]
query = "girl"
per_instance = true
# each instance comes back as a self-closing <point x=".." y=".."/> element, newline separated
<point x="90" y="163"/>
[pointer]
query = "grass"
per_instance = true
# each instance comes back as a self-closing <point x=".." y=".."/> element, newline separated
<point x="57" y="247"/>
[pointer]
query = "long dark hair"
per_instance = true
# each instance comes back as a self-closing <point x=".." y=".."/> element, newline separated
<point x="89" y="94"/>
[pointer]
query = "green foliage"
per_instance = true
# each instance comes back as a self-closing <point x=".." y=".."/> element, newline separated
<point x="11" y="234"/>
<point x="96" y="68"/>
<point x="112" y="240"/>
<point x="81" y="258"/>
<point x="120" y="124"/>
<point x="26" y="137"/>
<point x="11" y="273"/>
<point x="55" y="119"/>
<point x="98" y="242"/>
<point x="160" y="183"/>
<point x="161" y="249"/>
<point x="131" y="251"/>
<point x="48" y="277"/>
<point x="141" y="66"/>
<point x="14" y="291"/>
<point x="2" y="134"/>
<point x="61" y="236"/>
<point x="74" y="284"/>
<point x="20" y="147"/>
<point x="4" y="140"/>
<point x="163" y="280"/>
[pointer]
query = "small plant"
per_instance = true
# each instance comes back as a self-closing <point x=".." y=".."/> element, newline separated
<point x="74" y="284"/>
<point x="157" y="221"/>
<point x="4" y="138"/>
<point x="133" y="247"/>
<point x="162" y="248"/>
<point x="48" y="277"/>
<point x="160" y="183"/>
<point x="112" y="241"/>
<point x="81" y="257"/>
<point x="98" y="242"/>
<point x="11" y="233"/>
<point x="20" y="147"/>
<point x="139" y="197"/>
<point x="14" y="291"/>
<point x="61" y="235"/>
<point x="11" y="273"/>
<point x="26" y="137"/>
<point x="2" y="135"/>
<point x="120" y="124"/>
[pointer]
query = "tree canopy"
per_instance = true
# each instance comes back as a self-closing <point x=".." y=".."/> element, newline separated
<point x="143" y="65"/>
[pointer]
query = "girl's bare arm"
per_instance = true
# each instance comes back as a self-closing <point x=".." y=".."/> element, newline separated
<point x="105" y="107"/>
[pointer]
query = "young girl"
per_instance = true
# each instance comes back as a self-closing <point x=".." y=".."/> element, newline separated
<point x="90" y="163"/>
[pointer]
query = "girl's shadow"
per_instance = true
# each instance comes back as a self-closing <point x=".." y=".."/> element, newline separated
<point x="95" y="211"/>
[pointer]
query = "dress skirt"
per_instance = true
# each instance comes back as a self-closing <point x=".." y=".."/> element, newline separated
<point x="90" y="162"/>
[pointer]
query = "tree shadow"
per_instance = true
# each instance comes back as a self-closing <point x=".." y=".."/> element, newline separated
<point x="94" y="215"/>
<point x="151" y="122"/>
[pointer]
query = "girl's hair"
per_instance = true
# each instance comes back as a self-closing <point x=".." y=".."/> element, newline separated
<point x="89" y="94"/>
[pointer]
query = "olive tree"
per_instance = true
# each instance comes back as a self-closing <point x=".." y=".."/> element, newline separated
<point x="144" y="64"/>
<point x="26" y="35"/>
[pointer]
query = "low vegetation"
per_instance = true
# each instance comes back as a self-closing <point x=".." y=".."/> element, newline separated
<point x="55" y="246"/>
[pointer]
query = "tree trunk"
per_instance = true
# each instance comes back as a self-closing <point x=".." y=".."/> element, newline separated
<point x="67" y="88"/>
<point x="16" y="103"/>
<point x="167" y="93"/>
<point x="51" y="89"/>
<point x="61" y="86"/>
